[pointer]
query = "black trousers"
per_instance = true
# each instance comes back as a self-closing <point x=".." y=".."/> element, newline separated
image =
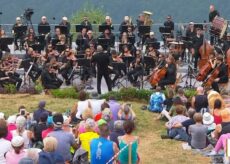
<point x="133" y="75"/>
<point x="107" y="80"/>
<point x="196" y="57"/>
<point x="15" y="77"/>
<point x="162" y="83"/>
<point x="54" y="84"/>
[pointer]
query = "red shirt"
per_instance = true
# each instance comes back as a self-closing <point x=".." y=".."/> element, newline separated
<point x="98" y="116"/>
<point x="46" y="132"/>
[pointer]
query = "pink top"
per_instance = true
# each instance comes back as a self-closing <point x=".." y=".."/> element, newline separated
<point x="46" y="132"/>
<point x="13" y="158"/>
<point x="11" y="127"/>
<point x="81" y="128"/>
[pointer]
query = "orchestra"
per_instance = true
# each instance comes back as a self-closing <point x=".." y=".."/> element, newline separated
<point x="50" y="55"/>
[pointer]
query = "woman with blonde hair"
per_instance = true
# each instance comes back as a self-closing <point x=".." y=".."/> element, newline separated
<point x="48" y="155"/>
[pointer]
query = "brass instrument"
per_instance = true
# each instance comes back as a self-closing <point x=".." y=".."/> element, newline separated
<point x="147" y="18"/>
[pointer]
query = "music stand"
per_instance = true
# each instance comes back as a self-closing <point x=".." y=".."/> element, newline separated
<point x="165" y="30"/>
<point x="80" y="42"/>
<point x="104" y="42"/>
<point x="63" y="29"/>
<point x="54" y="42"/>
<point x="7" y="41"/>
<point x="60" y="47"/>
<point x="131" y="39"/>
<point x="79" y="27"/>
<point x="20" y="29"/>
<point x="155" y="45"/>
<point x="149" y="62"/>
<point x="102" y="28"/>
<point x="119" y="67"/>
<point x="80" y="56"/>
<point x="37" y="47"/>
<point x="43" y="29"/>
<point x="144" y="29"/>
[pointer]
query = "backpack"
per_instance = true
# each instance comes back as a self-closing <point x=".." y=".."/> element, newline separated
<point x="80" y="157"/>
<point x="156" y="103"/>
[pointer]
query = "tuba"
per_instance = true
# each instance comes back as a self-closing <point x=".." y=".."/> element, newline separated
<point x="147" y="18"/>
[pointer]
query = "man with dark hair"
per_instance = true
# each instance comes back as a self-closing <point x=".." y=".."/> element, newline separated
<point x="102" y="149"/>
<point x="102" y="60"/>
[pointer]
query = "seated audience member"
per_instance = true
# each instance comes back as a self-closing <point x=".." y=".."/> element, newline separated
<point x="156" y="102"/>
<point x="37" y="130"/>
<point x="96" y="103"/>
<point x="114" y="107"/>
<point x="208" y="121"/>
<point x="179" y="118"/>
<point x="65" y="139"/>
<point x="217" y="111"/>
<point x="50" y="127"/>
<point x="118" y="130"/>
<point x="187" y="122"/>
<point x="79" y="107"/>
<point x="102" y="149"/>
<point x="212" y="97"/>
<point x="49" y="154"/>
<point x="87" y="114"/>
<point x="107" y="116"/>
<point x="99" y="115"/>
<point x="128" y="138"/>
<point x="200" y="101"/>
<point x="17" y="153"/>
<point x="41" y="109"/>
<point x="5" y="144"/>
<point x="21" y="131"/>
<point x="86" y="137"/>
<point x="169" y="100"/>
<point x="198" y="132"/>
<point x="32" y="155"/>
<point x="180" y="93"/>
<point x="126" y="112"/>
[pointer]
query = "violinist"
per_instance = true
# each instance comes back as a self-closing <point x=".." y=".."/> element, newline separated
<point x="170" y="77"/>
<point x="50" y="53"/>
<point x="152" y="52"/>
<point x="137" y="70"/>
<point x="31" y="66"/>
<point x="86" y="68"/>
<point x="222" y="77"/>
<point x="115" y="68"/>
<point x="126" y="52"/>
<point x="30" y="38"/>
<point x="197" y="43"/>
<point x="49" y="78"/>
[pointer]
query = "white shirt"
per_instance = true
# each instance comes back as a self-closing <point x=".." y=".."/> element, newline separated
<point x="96" y="105"/>
<point x="5" y="147"/>
<point x="81" y="106"/>
<point x="25" y="136"/>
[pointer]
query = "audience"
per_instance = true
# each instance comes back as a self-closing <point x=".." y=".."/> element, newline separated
<point x="156" y="102"/>
<point x="96" y="103"/>
<point x="200" y="101"/>
<point x="118" y="130"/>
<point x="114" y="106"/>
<point x="126" y="112"/>
<point x="41" y="109"/>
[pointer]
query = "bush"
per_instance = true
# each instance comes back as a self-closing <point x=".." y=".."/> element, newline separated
<point x="38" y="87"/>
<point x="10" y="88"/>
<point x="189" y="93"/>
<point x="65" y="93"/>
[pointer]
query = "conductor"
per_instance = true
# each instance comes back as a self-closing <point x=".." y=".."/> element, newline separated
<point x="102" y="60"/>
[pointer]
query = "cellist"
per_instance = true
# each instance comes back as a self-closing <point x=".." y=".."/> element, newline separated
<point x="170" y="77"/>
<point x="222" y="77"/>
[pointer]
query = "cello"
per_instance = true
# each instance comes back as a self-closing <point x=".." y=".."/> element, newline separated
<point x="228" y="61"/>
<point x="158" y="75"/>
<point x="213" y="75"/>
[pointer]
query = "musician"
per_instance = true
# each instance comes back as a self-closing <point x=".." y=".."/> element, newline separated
<point x="107" y="34"/>
<point x="90" y="38"/>
<point x="170" y="77"/>
<point x="169" y="24"/>
<point x="131" y="35"/>
<point x="190" y="33"/>
<point x="18" y="34"/>
<point x="50" y="54"/>
<point x="226" y="44"/>
<point x="140" y="22"/>
<point x="3" y="46"/>
<point x="137" y="70"/>
<point x="125" y="51"/>
<point x="197" y="43"/>
<point x="152" y="52"/>
<point x="31" y="64"/>
<point x="108" y="21"/>
<point x="151" y="38"/>
<point x="49" y="78"/>
<point x="87" y="70"/>
<point x="223" y="73"/>
<point x="102" y="60"/>
<point x="86" y="23"/>
<point x="30" y="38"/>
<point x="45" y="34"/>
<point x="212" y="14"/>
<point x="69" y="62"/>
<point x="81" y="41"/>
<point x="57" y="34"/>
<point x="65" y="22"/>
<point x="126" y="22"/>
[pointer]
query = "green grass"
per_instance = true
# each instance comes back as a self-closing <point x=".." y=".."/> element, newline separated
<point x="152" y="148"/>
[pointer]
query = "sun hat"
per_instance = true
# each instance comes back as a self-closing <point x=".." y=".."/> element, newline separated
<point x="17" y="141"/>
<point x="101" y="122"/>
<point x="207" y="118"/>
<point x="20" y="121"/>
<point x="11" y="119"/>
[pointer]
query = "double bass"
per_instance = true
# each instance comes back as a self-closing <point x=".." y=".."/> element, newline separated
<point x="228" y="61"/>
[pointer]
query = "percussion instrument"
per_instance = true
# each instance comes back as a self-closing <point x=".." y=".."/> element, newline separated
<point x="219" y="27"/>
<point x="176" y="47"/>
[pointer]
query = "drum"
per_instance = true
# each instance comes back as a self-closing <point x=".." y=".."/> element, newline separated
<point x="176" y="47"/>
<point x="218" y="27"/>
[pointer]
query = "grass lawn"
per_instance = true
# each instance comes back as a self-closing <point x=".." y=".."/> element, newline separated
<point x="152" y="148"/>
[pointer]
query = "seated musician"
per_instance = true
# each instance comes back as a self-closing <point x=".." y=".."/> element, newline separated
<point x="90" y="39"/>
<point x="107" y="34"/>
<point x="131" y="35"/>
<point x="57" y="34"/>
<point x="116" y="69"/>
<point x="49" y="78"/>
<point x="30" y="38"/>
<point x="50" y="54"/>
<point x="86" y="23"/>
<point x="9" y="76"/>
<point x="223" y="73"/>
<point x="3" y="46"/>
<point x="31" y="66"/>
<point x="125" y="51"/>
<point x="170" y="77"/>
<point x="226" y="45"/>
<point x="150" y="39"/>
<point x="87" y="71"/>
<point x="125" y="39"/>
<point x="65" y="23"/>
<point x="126" y="22"/>
<point x="108" y="21"/>
<point x="18" y="34"/>
<point x="81" y="40"/>
<point x="69" y="61"/>
<point x="152" y="52"/>
<point x="137" y="70"/>
<point x="45" y="33"/>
